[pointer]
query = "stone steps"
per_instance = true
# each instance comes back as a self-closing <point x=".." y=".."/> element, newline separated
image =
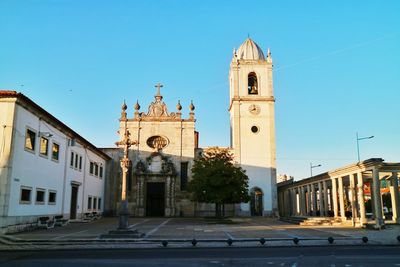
<point x="312" y="221"/>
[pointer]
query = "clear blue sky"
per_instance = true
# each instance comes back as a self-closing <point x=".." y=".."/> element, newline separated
<point x="337" y="68"/>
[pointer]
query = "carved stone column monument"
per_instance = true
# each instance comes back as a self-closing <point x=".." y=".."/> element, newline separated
<point x="123" y="230"/>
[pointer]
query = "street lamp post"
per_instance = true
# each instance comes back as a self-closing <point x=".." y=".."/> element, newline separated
<point x="312" y="167"/>
<point x="358" y="145"/>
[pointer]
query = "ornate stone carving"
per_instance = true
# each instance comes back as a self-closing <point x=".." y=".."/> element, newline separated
<point x="141" y="167"/>
<point x="157" y="142"/>
<point x="165" y="165"/>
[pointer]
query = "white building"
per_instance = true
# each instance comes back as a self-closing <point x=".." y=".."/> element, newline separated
<point x="253" y="125"/>
<point x="46" y="168"/>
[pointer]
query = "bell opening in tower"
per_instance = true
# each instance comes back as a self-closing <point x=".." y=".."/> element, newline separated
<point x="252" y="84"/>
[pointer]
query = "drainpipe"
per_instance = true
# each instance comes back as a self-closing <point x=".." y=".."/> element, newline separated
<point x="83" y="181"/>
<point x="65" y="176"/>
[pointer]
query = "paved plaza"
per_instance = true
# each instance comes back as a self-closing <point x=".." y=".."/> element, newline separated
<point x="208" y="232"/>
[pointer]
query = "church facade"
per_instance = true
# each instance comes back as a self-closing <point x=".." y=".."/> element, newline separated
<point x="168" y="144"/>
<point x="161" y="161"/>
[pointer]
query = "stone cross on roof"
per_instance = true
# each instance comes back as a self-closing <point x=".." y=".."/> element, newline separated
<point x="158" y="86"/>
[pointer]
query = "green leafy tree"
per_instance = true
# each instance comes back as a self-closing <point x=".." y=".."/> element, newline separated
<point x="217" y="180"/>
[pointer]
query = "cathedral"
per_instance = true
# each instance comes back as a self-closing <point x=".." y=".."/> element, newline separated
<point x="161" y="162"/>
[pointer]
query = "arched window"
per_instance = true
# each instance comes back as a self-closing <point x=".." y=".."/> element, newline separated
<point x="252" y="84"/>
<point x="256" y="202"/>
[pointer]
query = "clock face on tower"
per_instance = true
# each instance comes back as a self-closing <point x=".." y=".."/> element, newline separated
<point x="254" y="109"/>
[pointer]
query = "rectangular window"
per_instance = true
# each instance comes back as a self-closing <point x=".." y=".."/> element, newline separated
<point x="40" y="193"/>
<point x="80" y="163"/>
<point x="71" y="163"/>
<point x="30" y="139"/>
<point x="94" y="203"/>
<point x="52" y="197"/>
<point x="96" y="169"/>
<point x="76" y="161"/>
<point x="184" y="175"/>
<point x="89" y="203"/>
<point x="99" y="204"/>
<point x="25" y="197"/>
<point x="101" y="172"/>
<point x="44" y="146"/>
<point x="55" y="151"/>
<point x="91" y="167"/>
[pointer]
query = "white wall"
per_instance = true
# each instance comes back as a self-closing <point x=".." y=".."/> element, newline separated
<point x="88" y="184"/>
<point x="32" y="170"/>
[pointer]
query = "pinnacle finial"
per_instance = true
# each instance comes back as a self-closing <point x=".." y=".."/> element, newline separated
<point x="124" y="106"/>
<point x="269" y="57"/>
<point x="123" y="112"/>
<point x="179" y="106"/>
<point x="137" y="106"/>
<point x="191" y="107"/>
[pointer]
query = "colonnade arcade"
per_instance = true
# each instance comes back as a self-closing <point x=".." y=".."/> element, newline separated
<point x="361" y="193"/>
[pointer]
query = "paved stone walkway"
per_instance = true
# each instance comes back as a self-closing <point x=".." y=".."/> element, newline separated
<point x="179" y="232"/>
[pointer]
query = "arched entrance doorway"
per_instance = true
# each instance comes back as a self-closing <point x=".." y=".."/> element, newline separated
<point x="256" y="202"/>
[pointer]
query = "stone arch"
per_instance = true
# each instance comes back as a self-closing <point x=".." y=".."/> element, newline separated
<point x="256" y="201"/>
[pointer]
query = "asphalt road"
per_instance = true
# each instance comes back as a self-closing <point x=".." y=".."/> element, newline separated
<point x="173" y="228"/>
<point x="166" y="257"/>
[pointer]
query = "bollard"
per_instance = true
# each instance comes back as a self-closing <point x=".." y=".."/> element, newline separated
<point x="296" y="240"/>
<point x="194" y="242"/>
<point x="262" y="241"/>
<point x="365" y="239"/>
<point x="330" y="240"/>
<point x="229" y="241"/>
<point x="164" y="243"/>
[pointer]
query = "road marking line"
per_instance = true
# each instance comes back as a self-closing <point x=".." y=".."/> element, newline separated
<point x="228" y="235"/>
<point x="61" y="236"/>
<point x="157" y="228"/>
<point x="133" y="225"/>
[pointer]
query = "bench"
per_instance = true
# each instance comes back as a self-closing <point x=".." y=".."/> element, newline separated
<point x="88" y="217"/>
<point x="45" y="222"/>
<point x="60" y="221"/>
<point x="96" y="215"/>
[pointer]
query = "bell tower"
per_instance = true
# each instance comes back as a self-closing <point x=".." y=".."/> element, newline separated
<point x="252" y="121"/>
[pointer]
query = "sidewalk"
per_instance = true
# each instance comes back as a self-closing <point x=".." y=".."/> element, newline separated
<point x="184" y="232"/>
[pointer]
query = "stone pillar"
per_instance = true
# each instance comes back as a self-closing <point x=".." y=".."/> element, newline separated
<point x="353" y="202"/>
<point x="341" y="198"/>
<point x="294" y="202"/>
<point x="302" y="201"/>
<point x="321" y="200"/>
<point x="290" y="199"/>
<point x="335" y="198"/>
<point x="314" y="200"/>
<point x="394" y="193"/>
<point x="284" y="206"/>
<point x="298" y="201"/>
<point x="376" y="191"/>
<point x="289" y="203"/>
<point x="325" y="193"/>
<point x="308" y="199"/>
<point x="361" y="200"/>
<point x="173" y="207"/>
